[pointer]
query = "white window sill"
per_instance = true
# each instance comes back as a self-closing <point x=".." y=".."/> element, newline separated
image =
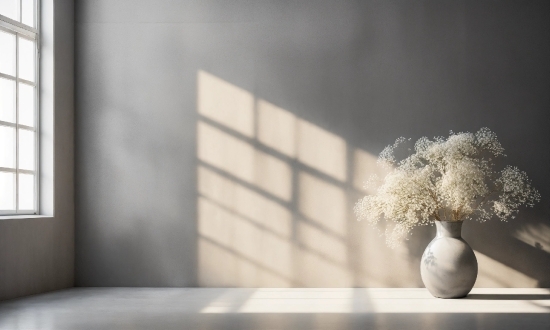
<point x="24" y="216"/>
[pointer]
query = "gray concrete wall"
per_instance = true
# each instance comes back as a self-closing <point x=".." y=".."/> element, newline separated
<point x="37" y="253"/>
<point x="224" y="143"/>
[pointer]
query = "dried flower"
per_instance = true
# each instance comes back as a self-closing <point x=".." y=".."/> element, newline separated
<point x="449" y="179"/>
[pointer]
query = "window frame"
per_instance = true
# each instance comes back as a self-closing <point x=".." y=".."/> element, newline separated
<point x="20" y="30"/>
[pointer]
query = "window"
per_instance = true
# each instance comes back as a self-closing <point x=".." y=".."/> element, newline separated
<point x="19" y="106"/>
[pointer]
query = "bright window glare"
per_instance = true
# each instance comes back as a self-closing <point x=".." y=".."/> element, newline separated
<point x="7" y="191"/>
<point x="7" y="146"/>
<point x="26" y="191"/>
<point x="26" y="149"/>
<point x="10" y="9"/>
<point x="7" y="100"/>
<point x="7" y="55"/>
<point x="26" y="59"/>
<point x="26" y="104"/>
<point x="27" y="12"/>
<point x="19" y="49"/>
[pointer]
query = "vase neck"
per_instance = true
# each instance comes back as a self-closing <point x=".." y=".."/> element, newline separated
<point x="449" y="229"/>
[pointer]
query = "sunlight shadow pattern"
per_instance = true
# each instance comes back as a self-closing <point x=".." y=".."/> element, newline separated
<point x="244" y="238"/>
<point x="378" y="300"/>
<point x="536" y="235"/>
<point x="377" y="265"/>
<point x="275" y="194"/>
<point x="493" y="274"/>
<point x="322" y="150"/>
<point x="243" y="161"/>
<point x="319" y="241"/>
<point x="219" y="267"/>
<point x="252" y="230"/>
<point x="315" y="271"/>
<point x="277" y="128"/>
<point x="322" y="202"/>
<point x="364" y="166"/>
<point x="230" y="301"/>
<point x="225" y="103"/>
<point x="245" y="202"/>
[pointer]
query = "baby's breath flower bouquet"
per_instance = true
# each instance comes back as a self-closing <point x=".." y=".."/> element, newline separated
<point x="450" y="179"/>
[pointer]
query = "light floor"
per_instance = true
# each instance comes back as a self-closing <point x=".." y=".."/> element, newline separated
<point x="201" y="308"/>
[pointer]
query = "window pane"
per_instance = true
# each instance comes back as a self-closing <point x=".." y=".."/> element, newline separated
<point x="26" y="191"/>
<point x="7" y="100"/>
<point x="7" y="55"/>
<point x="7" y="146"/>
<point x="10" y="8"/>
<point x="27" y="12"/>
<point x="26" y="104"/>
<point x="26" y="149"/>
<point x="26" y="59"/>
<point x="7" y="191"/>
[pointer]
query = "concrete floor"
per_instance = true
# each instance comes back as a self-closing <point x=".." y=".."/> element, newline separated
<point x="201" y="308"/>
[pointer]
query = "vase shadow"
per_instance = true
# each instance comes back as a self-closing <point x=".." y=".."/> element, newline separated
<point x="508" y="296"/>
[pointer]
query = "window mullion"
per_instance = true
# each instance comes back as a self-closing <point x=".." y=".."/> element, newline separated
<point x="8" y="124"/>
<point x="25" y="127"/>
<point x="15" y="26"/>
<point x="7" y="76"/>
<point x="17" y="124"/>
<point x="26" y="81"/>
<point x="36" y="124"/>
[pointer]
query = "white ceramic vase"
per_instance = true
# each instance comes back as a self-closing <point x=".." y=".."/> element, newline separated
<point x="449" y="265"/>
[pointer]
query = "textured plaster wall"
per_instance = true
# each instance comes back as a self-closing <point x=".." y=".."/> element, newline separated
<point x="223" y="143"/>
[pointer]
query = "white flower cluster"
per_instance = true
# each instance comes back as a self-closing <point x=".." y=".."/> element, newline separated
<point x="449" y="179"/>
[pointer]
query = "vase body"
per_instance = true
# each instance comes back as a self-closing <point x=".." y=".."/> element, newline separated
<point x="449" y="265"/>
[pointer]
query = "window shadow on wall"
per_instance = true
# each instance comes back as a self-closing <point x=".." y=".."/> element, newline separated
<point x="275" y="199"/>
